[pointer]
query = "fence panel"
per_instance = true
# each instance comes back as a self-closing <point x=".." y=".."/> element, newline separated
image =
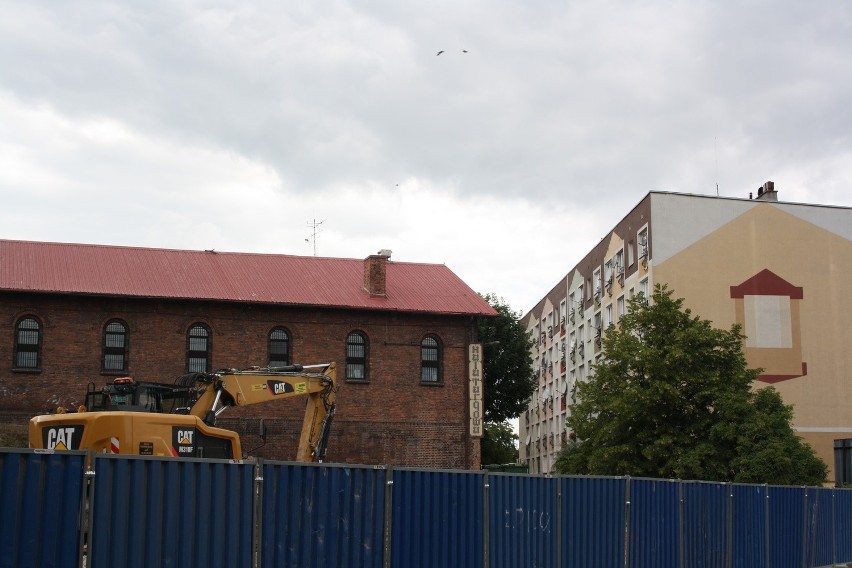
<point x="786" y="526"/>
<point x="705" y="524"/>
<point x="654" y="518"/>
<point x="40" y="503"/>
<point x="843" y="526"/>
<point x="437" y="519"/>
<point x="820" y="527"/>
<point x="522" y="521"/>
<point x="593" y="521"/>
<point x="322" y="515"/>
<point x="150" y="511"/>
<point x="749" y="525"/>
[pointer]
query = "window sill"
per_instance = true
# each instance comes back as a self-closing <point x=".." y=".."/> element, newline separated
<point x="431" y="384"/>
<point x="26" y="371"/>
<point x="357" y="381"/>
<point x="112" y="373"/>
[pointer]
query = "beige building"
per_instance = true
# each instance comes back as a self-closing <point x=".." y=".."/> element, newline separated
<point x="779" y="269"/>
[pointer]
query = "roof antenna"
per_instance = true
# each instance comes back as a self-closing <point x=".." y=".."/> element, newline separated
<point x="716" y="154"/>
<point x="313" y="225"/>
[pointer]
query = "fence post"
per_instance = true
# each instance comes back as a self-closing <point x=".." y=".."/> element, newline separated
<point x="834" y="525"/>
<point x="88" y="506"/>
<point x="766" y="526"/>
<point x="805" y="529"/>
<point x="486" y="520"/>
<point x="388" y="516"/>
<point x="729" y="527"/>
<point x="559" y="521"/>
<point x="257" y="508"/>
<point x="680" y="538"/>
<point x="627" y="522"/>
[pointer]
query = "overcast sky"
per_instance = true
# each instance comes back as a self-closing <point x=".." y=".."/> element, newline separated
<point x="236" y="125"/>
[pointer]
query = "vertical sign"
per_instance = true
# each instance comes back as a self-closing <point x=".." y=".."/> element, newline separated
<point x="474" y="365"/>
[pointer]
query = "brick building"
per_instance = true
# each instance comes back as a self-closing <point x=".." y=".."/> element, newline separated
<point x="79" y="314"/>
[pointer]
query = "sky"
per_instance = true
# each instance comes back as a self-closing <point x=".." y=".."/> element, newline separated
<point x="335" y="128"/>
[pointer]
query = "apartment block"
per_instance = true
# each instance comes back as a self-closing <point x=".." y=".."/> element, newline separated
<point x="778" y="269"/>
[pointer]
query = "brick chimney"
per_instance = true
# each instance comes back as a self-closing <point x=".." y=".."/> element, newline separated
<point x="374" y="272"/>
<point x="766" y="192"/>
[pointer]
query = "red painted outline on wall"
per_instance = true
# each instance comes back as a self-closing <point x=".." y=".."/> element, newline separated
<point x="767" y="283"/>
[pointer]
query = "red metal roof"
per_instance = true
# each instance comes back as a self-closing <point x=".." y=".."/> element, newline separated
<point x="235" y="277"/>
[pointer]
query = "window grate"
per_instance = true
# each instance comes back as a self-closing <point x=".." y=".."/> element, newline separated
<point x="356" y="357"/>
<point x="27" y="343"/>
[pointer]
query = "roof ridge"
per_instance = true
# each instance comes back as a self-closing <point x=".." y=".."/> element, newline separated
<point x="209" y="251"/>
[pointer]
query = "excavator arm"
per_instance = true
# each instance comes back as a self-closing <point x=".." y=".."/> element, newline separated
<point x="241" y="387"/>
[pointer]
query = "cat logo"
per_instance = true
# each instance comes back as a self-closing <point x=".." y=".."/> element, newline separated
<point x="183" y="441"/>
<point x="62" y="437"/>
<point x="279" y="387"/>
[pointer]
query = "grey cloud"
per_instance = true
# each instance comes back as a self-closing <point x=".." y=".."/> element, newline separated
<point x="552" y="100"/>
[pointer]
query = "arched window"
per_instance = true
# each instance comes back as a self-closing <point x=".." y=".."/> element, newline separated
<point x="279" y="347"/>
<point x="27" y="343"/>
<point x="115" y="347"/>
<point x="356" y="357"/>
<point x="430" y="360"/>
<point x="198" y="349"/>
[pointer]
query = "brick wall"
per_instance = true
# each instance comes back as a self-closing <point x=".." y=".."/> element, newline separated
<point x="392" y="419"/>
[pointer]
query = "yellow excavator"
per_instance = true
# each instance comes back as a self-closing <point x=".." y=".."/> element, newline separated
<point x="179" y="419"/>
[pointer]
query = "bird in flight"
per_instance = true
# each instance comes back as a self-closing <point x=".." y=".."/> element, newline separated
<point x="440" y="52"/>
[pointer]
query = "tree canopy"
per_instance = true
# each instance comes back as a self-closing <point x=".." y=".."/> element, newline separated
<point x="508" y="374"/>
<point x="671" y="396"/>
<point x="498" y="444"/>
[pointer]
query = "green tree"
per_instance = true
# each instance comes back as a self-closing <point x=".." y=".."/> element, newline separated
<point x="507" y="367"/>
<point x="771" y="450"/>
<point x="671" y="397"/>
<point x="498" y="444"/>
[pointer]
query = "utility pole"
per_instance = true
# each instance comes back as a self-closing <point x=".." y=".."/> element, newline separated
<point x="313" y="225"/>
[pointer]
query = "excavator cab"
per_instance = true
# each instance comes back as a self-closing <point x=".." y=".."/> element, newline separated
<point x="128" y="395"/>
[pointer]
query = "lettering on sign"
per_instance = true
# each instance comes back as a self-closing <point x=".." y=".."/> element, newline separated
<point x="62" y="437"/>
<point x="183" y="440"/>
<point x="474" y="366"/>
<point x="279" y="387"/>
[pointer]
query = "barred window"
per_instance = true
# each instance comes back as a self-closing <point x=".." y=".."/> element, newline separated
<point x="27" y="343"/>
<point x="279" y="347"/>
<point x="430" y="360"/>
<point x="115" y="346"/>
<point x="198" y="349"/>
<point x="356" y="357"/>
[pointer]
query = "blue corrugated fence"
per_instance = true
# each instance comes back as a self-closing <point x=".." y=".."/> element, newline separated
<point x="137" y="511"/>
<point x="593" y="517"/>
<point x="523" y="521"/>
<point x="150" y="511"/>
<point x="436" y="518"/>
<point x="749" y="525"/>
<point x="316" y="516"/>
<point x="40" y="504"/>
